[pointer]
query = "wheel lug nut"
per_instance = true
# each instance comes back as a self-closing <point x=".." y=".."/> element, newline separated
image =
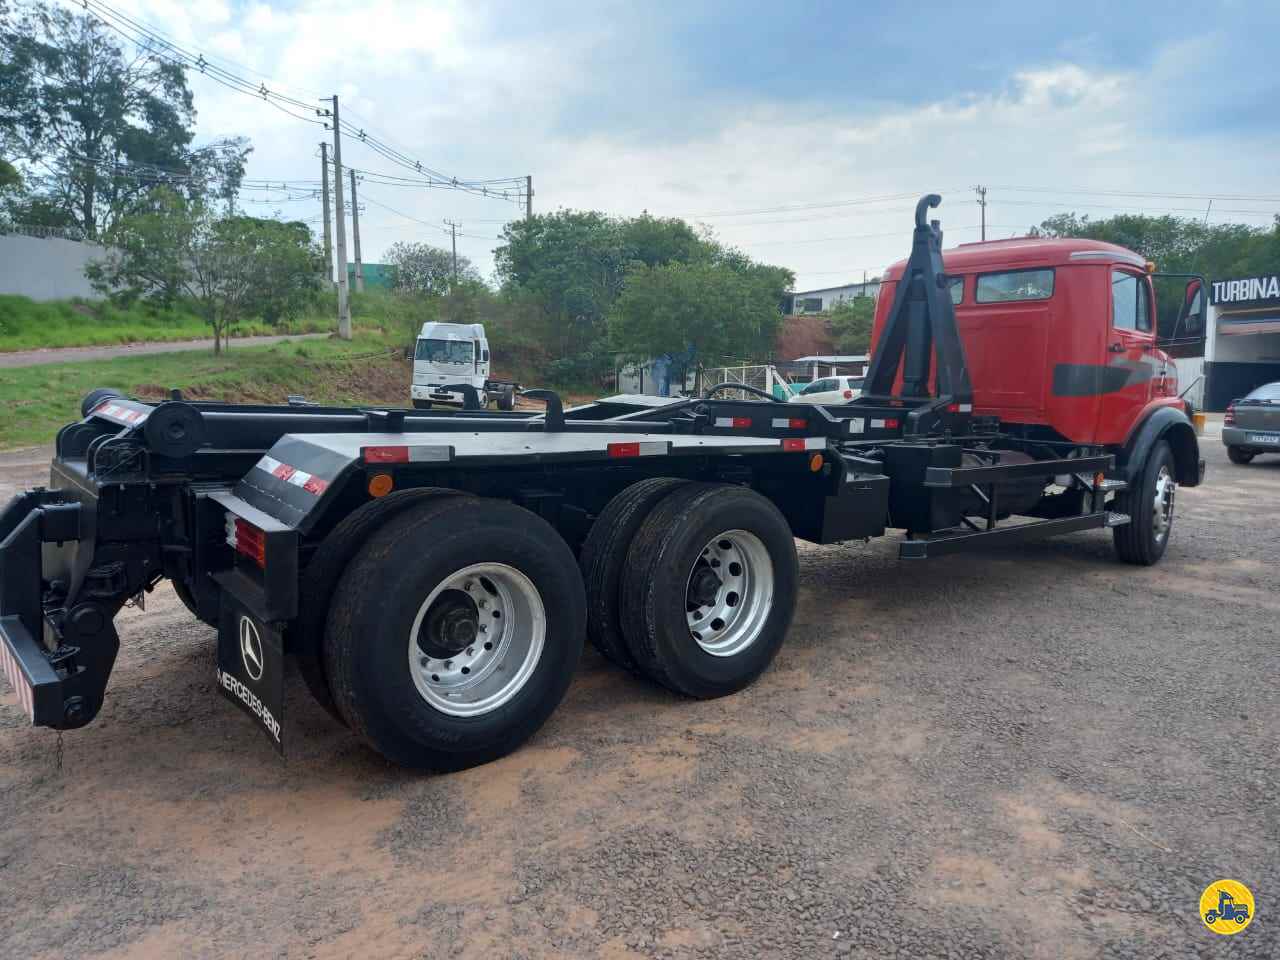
<point x="482" y="604"/>
<point x="470" y="652"/>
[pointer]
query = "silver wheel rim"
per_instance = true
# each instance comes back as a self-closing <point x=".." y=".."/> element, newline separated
<point x="729" y="593"/>
<point x="477" y="639"/>
<point x="1162" y="514"/>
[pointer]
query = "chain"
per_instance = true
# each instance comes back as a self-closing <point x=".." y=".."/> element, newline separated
<point x="57" y="755"/>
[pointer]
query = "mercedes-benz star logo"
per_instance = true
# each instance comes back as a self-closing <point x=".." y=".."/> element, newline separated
<point x="251" y="649"/>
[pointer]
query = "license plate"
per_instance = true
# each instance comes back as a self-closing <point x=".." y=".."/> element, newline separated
<point x="250" y="670"/>
<point x="1264" y="438"/>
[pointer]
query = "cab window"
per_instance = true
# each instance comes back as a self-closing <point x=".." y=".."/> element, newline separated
<point x="1130" y="302"/>
<point x="820" y="386"/>
<point x="1014" y="285"/>
<point x="957" y="290"/>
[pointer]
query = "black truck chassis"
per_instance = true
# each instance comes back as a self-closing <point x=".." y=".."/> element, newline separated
<point x="239" y="504"/>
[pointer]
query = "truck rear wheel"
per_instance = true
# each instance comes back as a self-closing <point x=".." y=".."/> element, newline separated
<point x="709" y="589"/>
<point x="320" y="578"/>
<point x="1149" y="503"/>
<point x="454" y="632"/>
<point x="603" y="557"/>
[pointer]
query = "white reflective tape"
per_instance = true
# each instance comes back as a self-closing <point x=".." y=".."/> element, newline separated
<point x="877" y="424"/>
<point x="430" y="454"/>
<point x="649" y="448"/>
<point x="966" y="408"/>
<point x="782" y="423"/>
<point x="724" y="422"/>
<point x="815" y="443"/>
<point x="856" y="425"/>
<point x="269" y="464"/>
<point x="18" y="679"/>
<point x="299" y="477"/>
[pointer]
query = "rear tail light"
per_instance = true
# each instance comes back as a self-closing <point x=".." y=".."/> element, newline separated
<point x="385" y="454"/>
<point x="1229" y="418"/>
<point x="247" y="539"/>
<point x="848" y="394"/>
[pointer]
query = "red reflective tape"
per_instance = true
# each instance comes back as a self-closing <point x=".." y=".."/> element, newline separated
<point x="741" y="423"/>
<point x="315" y="485"/>
<point x="385" y="454"/>
<point x="798" y="423"/>
<point x="282" y="472"/>
<point x="891" y="424"/>
<point x="793" y="443"/>
<point x="624" y="449"/>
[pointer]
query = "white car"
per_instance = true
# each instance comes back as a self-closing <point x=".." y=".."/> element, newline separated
<point x="830" y="390"/>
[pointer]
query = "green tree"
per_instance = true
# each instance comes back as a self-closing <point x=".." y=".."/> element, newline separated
<point x="702" y="312"/>
<point x="851" y="322"/>
<point x="422" y="268"/>
<point x="573" y="262"/>
<point x="105" y="126"/>
<point x="230" y="267"/>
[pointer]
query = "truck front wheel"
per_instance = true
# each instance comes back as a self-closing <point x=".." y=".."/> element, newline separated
<point x="709" y="589"/>
<point x="454" y="632"/>
<point x="1149" y="503"/>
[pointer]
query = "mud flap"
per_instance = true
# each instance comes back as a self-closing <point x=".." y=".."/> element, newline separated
<point x="250" y="669"/>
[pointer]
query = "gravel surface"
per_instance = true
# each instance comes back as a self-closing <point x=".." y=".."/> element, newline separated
<point x="35" y="358"/>
<point x="1030" y="753"/>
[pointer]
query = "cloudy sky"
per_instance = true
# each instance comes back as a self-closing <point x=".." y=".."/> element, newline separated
<point x="794" y="130"/>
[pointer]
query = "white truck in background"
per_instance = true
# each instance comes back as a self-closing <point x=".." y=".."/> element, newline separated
<point x="448" y="356"/>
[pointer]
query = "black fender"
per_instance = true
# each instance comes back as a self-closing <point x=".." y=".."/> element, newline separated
<point x="1173" y="426"/>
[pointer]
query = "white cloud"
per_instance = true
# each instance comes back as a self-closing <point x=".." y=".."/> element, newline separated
<point x="452" y="84"/>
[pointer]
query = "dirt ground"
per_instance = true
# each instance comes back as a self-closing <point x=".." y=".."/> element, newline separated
<point x="1031" y="753"/>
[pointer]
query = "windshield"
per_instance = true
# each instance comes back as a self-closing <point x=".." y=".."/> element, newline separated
<point x="443" y="351"/>
<point x="1269" y="392"/>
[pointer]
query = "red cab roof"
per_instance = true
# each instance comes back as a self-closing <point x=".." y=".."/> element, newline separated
<point x="1025" y="252"/>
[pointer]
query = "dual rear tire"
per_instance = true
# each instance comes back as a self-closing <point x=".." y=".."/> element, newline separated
<point x="456" y="623"/>
<point x="454" y="632"/>
<point x="692" y="585"/>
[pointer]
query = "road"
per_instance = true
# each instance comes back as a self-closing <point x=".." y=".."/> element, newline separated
<point x="34" y="358"/>
<point x="1035" y="753"/>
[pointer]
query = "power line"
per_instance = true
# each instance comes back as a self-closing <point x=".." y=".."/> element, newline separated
<point x="1157" y="196"/>
<point x="160" y="46"/>
<point x="425" y="223"/>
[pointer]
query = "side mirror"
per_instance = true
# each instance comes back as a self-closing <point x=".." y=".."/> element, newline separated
<point x="1182" y="308"/>
<point x="1191" y="314"/>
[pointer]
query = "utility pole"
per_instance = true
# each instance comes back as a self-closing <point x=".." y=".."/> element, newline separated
<point x="982" y="203"/>
<point x="355" y="234"/>
<point x="328" y="233"/>
<point x="528" y="197"/>
<point x="344" y="308"/>
<point x="453" y="230"/>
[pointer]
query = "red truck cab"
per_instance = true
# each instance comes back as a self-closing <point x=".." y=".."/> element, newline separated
<point x="1059" y="336"/>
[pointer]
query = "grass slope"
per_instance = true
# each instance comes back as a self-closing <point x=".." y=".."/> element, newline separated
<point x="39" y="400"/>
<point x="28" y="325"/>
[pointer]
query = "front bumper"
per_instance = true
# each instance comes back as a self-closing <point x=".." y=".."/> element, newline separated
<point x="1240" y="437"/>
<point x="428" y="392"/>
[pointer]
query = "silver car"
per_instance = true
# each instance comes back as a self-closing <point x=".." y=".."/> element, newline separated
<point x="1252" y="425"/>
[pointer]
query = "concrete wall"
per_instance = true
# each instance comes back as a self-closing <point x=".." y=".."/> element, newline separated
<point x="46" y="268"/>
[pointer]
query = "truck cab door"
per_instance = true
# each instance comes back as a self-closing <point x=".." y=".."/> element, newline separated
<point x="1135" y="370"/>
